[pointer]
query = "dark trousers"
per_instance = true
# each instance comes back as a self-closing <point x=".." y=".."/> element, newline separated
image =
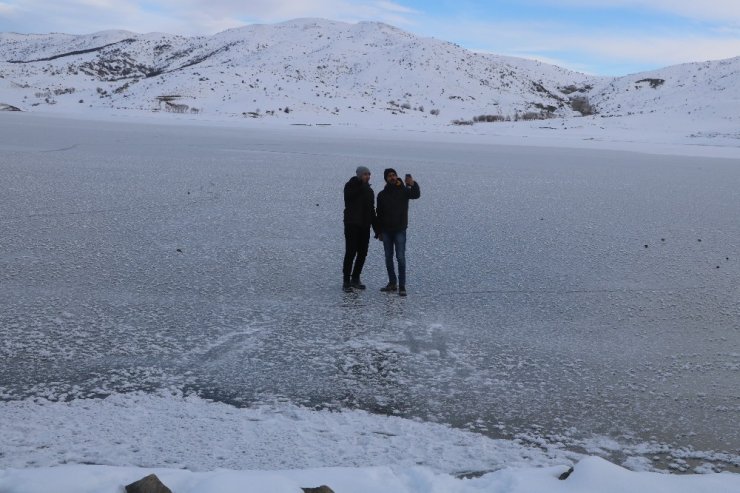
<point x="356" y="242"/>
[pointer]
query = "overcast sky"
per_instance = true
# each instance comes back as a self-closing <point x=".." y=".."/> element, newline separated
<point x="606" y="37"/>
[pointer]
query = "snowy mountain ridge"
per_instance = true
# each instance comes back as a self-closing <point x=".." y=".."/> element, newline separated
<point x="320" y="70"/>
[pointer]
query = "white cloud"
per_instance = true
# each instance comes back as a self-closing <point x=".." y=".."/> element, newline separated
<point x="98" y="4"/>
<point x="281" y="10"/>
<point x="717" y="10"/>
<point x="188" y="17"/>
<point x="594" y="51"/>
<point x="394" y="7"/>
<point x="6" y="9"/>
<point x="667" y="51"/>
<point x="72" y="16"/>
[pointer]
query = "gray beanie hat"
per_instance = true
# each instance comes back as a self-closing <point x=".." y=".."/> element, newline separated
<point x="362" y="170"/>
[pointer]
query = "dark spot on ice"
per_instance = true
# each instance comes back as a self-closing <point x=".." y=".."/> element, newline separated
<point x="646" y="246"/>
<point x="565" y="475"/>
<point x="699" y="240"/>
<point x="662" y="239"/>
<point x="321" y="489"/>
<point x="179" y="250"/>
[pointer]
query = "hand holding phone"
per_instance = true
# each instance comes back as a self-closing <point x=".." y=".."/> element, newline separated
<point x="409" y="180"/>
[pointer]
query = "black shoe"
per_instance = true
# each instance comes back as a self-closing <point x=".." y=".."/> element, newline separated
<point x="347" y="287"/>
<point x="357" y="284"/>
<point x="390" y="287"/>
<point x="402" y="291"/>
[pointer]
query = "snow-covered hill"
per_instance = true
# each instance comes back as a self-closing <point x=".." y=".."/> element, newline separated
<point x="698" y="91"/>
<point x="313" y="70"/>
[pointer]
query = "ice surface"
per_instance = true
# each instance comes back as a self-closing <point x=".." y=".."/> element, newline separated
<point x="581" y="299"/>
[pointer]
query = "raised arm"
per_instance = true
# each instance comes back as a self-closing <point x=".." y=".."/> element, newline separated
<point x="413" y="191"/>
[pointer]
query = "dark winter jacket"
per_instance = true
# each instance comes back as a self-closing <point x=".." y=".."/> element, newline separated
<point x="359" y="204"/>
<point x="393" y="206"/>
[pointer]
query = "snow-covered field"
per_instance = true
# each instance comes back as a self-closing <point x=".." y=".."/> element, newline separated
<point x="170" y="301"/>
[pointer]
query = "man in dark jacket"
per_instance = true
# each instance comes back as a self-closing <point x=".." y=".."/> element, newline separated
<point x="359" y="216"/>
<point x="393" y="219"/>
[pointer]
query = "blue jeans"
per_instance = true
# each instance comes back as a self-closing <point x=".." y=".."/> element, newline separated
<point x="395" y="240"/>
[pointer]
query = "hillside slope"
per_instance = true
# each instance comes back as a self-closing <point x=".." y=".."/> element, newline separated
<point x="319" y="70"/>
<point x="314" y="67"/>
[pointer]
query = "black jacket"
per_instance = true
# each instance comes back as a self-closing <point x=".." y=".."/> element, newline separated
<point x="393" y="206"/>
<point x="359" y="204"/>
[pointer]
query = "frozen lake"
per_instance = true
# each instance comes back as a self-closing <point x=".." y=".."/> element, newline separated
<point x="555" y="294"/>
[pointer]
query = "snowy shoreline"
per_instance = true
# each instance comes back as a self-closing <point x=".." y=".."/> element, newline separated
<point x="590" y="475"/>
<point x="636" y="133"/>
<point x="194" y="445"/>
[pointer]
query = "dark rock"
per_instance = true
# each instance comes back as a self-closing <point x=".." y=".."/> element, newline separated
<point x="654" y="83"/>
<point x="7" y="107"/>
<point x="149" y="484"/>
<point x="320" y="489"/>
<point x="565" y="475"/>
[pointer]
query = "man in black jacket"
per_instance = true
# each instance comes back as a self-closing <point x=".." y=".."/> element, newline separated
<point x="359" y="216"/>
<point x="393" y="219"/>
